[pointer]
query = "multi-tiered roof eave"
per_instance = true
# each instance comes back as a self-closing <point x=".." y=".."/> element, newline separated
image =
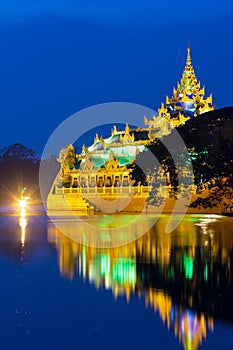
<point x="124" y="144"/>
<point x="189" y="96"/>
<point x="188" y="99"/>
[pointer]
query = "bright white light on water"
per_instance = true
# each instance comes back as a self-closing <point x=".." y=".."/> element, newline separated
<point x="22" y="219"/>
<point x="23" y="224"/>
<point x="23" y="203"/>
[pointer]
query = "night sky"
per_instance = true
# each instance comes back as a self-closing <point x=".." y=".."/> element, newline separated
<point x="59" y="56"/>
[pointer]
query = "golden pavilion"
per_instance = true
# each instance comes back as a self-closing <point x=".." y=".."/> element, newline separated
<point x="104" y="168"/>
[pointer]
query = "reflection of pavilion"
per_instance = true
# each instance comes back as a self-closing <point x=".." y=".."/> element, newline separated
<point x="176" y="273"/>
<point x="113" y="269"/>
<point x="189" y="326"/>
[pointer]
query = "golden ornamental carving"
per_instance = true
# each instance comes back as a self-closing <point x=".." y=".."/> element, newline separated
<point x="87" y="165"/>
<point x="84" y="149"/>
<point x="162" y="110"/>
<point x="67" y="159"/>
<point x="114" y="130"/>
<point x="96" y="139"/>
<point x="101" y="139"/>
<point x="126" y="137"/>
<point x="151" y="136"/>
<point x="111" y="164"/>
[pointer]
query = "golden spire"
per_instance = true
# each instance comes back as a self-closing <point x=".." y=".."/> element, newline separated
<point x="126" y="137"/>
<point x="96" y="139"/>
<point x="189" y="96"/>
<point x="114" y="131"/>
<point x="188" y="83"/>
<point x="188" y="60"/>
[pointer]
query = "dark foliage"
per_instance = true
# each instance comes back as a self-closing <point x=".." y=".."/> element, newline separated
<point x="209" y="140"/>
<point x="19" y="168"/>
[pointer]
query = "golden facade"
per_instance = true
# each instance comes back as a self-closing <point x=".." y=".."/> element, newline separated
<point x="102" y="171"/>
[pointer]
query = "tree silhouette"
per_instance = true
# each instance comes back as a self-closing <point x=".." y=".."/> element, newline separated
<point x="19" y="168"/>
<point x="17" y="152"/>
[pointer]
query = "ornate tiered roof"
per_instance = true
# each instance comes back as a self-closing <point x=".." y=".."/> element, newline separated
<point x="188" y="99"/>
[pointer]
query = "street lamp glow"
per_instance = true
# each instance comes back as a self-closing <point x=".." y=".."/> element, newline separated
<point x="23" y="203"/>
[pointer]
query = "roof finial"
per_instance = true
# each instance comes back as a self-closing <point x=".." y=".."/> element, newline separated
<point x="188" y="61"/>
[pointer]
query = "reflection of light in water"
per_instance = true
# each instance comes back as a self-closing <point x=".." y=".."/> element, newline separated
<point x="188" y="263"/>
<point x="23" y="212"/>
<point x="108" y="271"/>
<point x="207" y="219"/>
<point x="23" y="221"/>
<point x="22" y="311"/>
<point x="105" y="231"/>
<point x="23" y="203"/>
<point x="23" y="224"/>
<point x="190" y="328"/>
<point x="116" y="269"/>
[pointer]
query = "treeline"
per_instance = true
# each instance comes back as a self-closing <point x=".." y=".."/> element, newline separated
<point x="209" y="141"/>
<point x="19" y="168"/>
<point x="209" y="138"/>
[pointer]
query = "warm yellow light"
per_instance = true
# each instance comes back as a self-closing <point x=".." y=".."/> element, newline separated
<point x="23" y="224"/>
<point x="23" y="203"/>
<point x="22" y="219"/>
<point x="23" y="212"/>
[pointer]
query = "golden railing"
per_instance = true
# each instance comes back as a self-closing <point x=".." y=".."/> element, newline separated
<point x="104" y="190"/>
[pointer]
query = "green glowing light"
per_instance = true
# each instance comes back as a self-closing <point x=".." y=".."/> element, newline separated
<point x="124" y="270"/>
<point x="124" y="154"/>
<point x="188" y="266"/>
<point x="104" y="264"/>
<point x="171" y="273"/>
<point x="84" y="261"/>
<point x="206" y="272"/>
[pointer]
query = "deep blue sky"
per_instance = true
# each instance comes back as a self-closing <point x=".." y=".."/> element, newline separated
<point x="58" y="56"/>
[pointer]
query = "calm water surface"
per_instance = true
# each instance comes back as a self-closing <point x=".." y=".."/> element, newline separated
<point x="163" y="291"/>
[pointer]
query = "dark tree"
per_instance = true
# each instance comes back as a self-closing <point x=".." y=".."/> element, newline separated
<point x="17" y="152"/>
<point x="209" y="140"/>
<point x="19" y="168"/>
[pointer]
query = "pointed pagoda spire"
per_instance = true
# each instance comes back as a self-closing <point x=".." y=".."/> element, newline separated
<point x="188" y="97"/>
<point x="188" y="82"/>
<point x="188" y="60"/>
<point x="96" y="139"/>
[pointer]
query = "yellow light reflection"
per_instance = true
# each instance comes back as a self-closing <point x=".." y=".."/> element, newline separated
<point x="23" y="203"/>
<point x="155" y="265"/>
<point x="23" y="222"/>
<point x="23" y="225"/>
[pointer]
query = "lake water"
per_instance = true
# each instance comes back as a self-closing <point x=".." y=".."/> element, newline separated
<point x="162" y="291"/>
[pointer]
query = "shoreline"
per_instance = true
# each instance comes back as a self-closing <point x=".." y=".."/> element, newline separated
<point x="167" y="208"/>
